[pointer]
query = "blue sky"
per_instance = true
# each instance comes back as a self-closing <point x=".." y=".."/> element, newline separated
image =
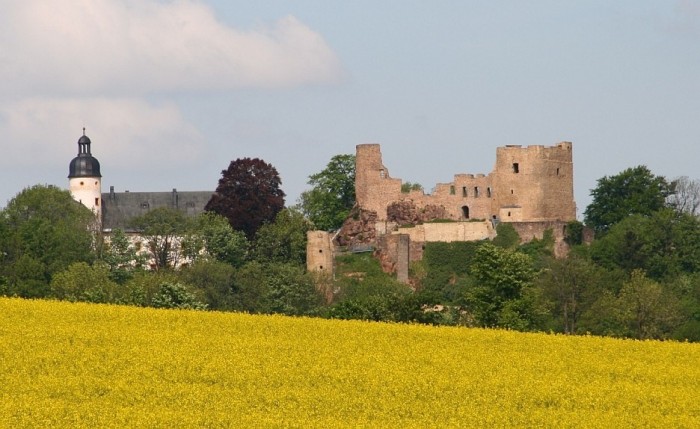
<point x="171" y="92"/>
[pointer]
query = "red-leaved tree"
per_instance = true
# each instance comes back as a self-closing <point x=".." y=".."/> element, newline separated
<point x="248" y="195"/>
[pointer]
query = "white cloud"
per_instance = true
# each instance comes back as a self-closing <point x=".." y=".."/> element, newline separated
<point x="127" y="132"/>
<point x="102" y="47"/>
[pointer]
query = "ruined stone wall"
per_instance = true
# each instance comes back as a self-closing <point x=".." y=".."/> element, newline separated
<point x="537" y="179"/>
<point x="449" y="231"/>
<point x="533" y="183"/>
<point x="319" y="252"/>
<point x="531" y="230"/>
<point x="374" y="188"/>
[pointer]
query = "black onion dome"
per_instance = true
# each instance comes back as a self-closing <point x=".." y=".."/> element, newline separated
<point x="84" y="165"/>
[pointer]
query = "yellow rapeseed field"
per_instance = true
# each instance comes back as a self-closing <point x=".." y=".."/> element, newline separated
<point x="98" y="366"/>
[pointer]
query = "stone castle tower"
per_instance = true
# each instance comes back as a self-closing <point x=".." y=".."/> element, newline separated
<point x="527" y="184"/>
<point x="84" y="178"/>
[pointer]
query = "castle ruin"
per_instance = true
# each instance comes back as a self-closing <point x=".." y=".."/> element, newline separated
<point x="530" y="187"/>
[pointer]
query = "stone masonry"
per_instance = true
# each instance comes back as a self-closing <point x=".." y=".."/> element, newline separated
<point x="530" y="187"/>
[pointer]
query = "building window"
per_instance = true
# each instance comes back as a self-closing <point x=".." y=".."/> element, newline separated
<point x="382" y="174"/>
<point x="516" y="167"/>
<point x="476" y="191"/>
<point x="511" y="192"/>
<point x="320" y="250"/>
<point x="82" y="183"/>
<point x="465" y="212"/>
<point x="508" y="214"/>
<point x="144" y="206"/>
<point x="464" y="191"/>
<point x="557" y="171"/>
<point x="452" y="189"/>
<point x="488" y="192"/>
<point x="97" y="202"/>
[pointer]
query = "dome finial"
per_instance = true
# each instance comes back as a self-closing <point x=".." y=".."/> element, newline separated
<point x="83" y="130"/>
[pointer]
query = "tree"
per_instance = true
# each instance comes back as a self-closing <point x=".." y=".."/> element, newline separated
<point x="284" y="240"/>
<point x="646" y="308"/>
<point x="685" y="196"/>
<point x="214" y="234"/>
<point x="164" y="230"/>
<point x="248" y="195"/>
<point x="82" y="282"/>
<point x="663" y="244"/>
<point x="633" y="191"/>
<point x="43" y="231"/>
<point x="176" y="295"/>
<point x="572" y="285"/>
<point x="407" y="187"/>
<point x="500" y="279"/>
<point x="332" y="197"/>
<point x="213" y="280"/>
<point x="122" y="257"/>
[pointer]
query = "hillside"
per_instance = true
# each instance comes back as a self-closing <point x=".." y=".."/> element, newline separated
<point x="86" y="365"/>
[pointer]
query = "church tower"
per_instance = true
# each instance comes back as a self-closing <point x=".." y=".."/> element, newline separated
<point x="84" y="178"/>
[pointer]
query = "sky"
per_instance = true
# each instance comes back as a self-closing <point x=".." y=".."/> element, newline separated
<point x="170" y="92"/>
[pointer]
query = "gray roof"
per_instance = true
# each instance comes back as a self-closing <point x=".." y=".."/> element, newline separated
<point x="84" y="165"/>
<point x="119" y="208"/>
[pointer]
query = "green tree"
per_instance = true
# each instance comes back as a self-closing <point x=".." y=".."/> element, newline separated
<point x="122" y="257"/>
<point x="646" y="308"/>
<point x="506" y="236"/>
<point x="633" y="191"/>
<point x="43" y="230"/>
<point x="663" y="244"/>
<point x="284" y="240"/>
<point x="176" y="295"/>
<point x="407" y="187"/>
<point x="497" y="297"/>
<point x="332" y="196"/>
<point x="572" y="285"/>
<point x="214" y="234"/>
<point x="163" y="229"/>
<point x="248" y="195"/>
<point x="82" y="282"/>
<point x="214" y="281"/>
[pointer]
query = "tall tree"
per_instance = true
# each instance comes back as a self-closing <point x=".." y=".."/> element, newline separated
<point x="332" y="197"/>
<point x="163" y="229"/>
<point x="248" y="195"/>
<point x="43" y="231"/>
<point x="501" y="277"/>
<point x="284" y="240"/>
<point x="634" y="191"/>
<point x="214" y="237"/>
<point x="685" y="197"/>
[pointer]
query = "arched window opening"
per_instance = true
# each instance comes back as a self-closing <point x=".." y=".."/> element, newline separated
<point x="476" y="191"/>
<point x="488" y="192"/>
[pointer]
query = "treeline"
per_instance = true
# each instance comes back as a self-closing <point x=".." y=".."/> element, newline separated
<point x="639" y="278"/>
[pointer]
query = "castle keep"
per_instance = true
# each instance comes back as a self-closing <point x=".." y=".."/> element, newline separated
<point x="530" y="187"/>
<point x="527" y="184"/>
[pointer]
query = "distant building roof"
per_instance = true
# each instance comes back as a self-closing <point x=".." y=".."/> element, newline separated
<point x="119" y="208"/>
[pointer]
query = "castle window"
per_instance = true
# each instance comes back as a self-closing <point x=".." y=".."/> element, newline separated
<point x="97" y="201"/>
<point x="488" y="192"/>
<point x="464" y="191"/>
<point x="452" y="190"/>
<point x="557" y="171"/>
<point x="320" y="267"/>
<point x="320" y="250"/>
<point x="465" y="212"/>
<point x="382" y="174"/>
<point x="144" y="205"/>
<point x="511" y="192"/>
<point x="476" y="191"/>
<point x="508" y="214"/>
<point x="516" y="167"/>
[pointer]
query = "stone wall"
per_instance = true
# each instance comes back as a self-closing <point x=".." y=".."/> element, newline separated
<point x="319" y="252"/>
<point x="534" y="182"/>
